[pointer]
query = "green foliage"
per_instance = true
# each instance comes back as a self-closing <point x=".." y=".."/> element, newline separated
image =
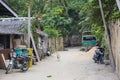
<point x="65" y="17"/>
<point x="54" y="22"/>
<point x="52" y="32"/>
<point x="115" y="15"/>
<point x="55" y="17"/>
<point x="18" y="5"/>
<point x="110" y="11"/>
<point x="98" y="31"/>
<point x="93" y="12"/>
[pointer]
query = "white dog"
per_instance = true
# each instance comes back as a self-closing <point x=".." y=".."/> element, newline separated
<point x="58" y="57"/>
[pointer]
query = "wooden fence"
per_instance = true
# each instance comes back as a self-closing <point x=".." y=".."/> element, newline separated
<point x="56" y="44"/>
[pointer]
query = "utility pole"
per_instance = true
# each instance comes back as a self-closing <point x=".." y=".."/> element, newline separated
<point x="107" y="37"/>
<point x="30" y="36"/>
<point x="29" y="23"/>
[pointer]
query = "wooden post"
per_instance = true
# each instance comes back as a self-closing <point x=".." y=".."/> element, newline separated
<point x="30" y="33"/>
<point x="107" y="37"/>
<point x="33" y="43"/>
<point x="11" y="41"/>
<point x="29" y="23"/>
<point x="2" y="61"/>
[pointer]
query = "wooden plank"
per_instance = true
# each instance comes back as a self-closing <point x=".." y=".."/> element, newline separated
<point x="2" y="61"/>
<point x="33" y="43"/>
<point x="11" y="41"/>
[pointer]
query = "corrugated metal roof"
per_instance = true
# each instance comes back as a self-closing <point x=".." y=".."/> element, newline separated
<point x="41" y="33"/>
<point x="10" y="27"/>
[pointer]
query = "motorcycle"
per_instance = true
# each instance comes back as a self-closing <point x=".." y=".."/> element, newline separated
<point x="99" y="55"/>
<point x="18" y="62"/>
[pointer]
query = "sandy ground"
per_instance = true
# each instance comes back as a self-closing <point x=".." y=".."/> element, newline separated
<point x="73" y="65"/>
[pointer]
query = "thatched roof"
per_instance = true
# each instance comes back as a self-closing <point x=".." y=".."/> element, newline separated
<point x="10" y="26"/>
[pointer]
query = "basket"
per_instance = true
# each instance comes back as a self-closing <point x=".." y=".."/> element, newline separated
<point x="24" y="52"/>
<point x="18" y="51"/>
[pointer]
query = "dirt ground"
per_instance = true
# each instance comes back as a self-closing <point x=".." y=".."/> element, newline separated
<point x="71" y="65"/>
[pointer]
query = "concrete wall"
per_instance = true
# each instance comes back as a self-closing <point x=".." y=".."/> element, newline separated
<point x="114" y="27"/>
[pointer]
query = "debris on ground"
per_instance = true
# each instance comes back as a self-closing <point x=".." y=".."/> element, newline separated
<point x="90" y="52"/>
<point x="49" y="76"/>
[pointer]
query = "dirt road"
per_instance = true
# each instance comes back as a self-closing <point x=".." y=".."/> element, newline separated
<point x="73" y="65"/>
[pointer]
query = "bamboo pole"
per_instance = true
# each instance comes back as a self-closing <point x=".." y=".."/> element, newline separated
<point x="30" y="36"/>
<point x="29" y="23"/>
<point x="34" y="47"/>
<point x="107" y="37"/>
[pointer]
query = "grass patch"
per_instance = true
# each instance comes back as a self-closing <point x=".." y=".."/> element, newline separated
<point x="49" y="76"/>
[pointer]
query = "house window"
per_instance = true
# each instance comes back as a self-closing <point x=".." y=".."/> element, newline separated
<point x="1" y="41"/>
<point x="5" y="41"/>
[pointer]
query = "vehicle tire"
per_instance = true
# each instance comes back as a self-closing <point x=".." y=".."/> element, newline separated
<point x="8" y="68"/>
<point x="25" y="66"/>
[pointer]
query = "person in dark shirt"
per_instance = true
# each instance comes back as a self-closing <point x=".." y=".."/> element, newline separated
<point x="98" y="56"/>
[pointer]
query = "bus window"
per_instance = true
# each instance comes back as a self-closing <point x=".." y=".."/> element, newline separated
<point x="94" y="38"/>
<point x="89" y="38"/>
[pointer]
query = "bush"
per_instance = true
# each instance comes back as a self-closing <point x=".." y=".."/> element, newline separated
<point x="82" y="49"/>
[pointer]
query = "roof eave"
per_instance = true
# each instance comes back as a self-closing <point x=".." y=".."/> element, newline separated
<point x="7" y="7"/>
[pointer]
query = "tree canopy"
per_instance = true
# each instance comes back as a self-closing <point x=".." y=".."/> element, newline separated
<point x="66" y="17"/>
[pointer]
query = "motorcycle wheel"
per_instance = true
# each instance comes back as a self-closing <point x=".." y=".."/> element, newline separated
<point x="25" y="66"/>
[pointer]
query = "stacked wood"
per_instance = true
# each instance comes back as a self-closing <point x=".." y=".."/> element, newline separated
<point x="2" y="62"/>
<point x="6" y="53"/>
<point x="22" y="46"/>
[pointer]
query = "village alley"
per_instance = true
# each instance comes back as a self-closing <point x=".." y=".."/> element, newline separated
<point x="72" y="65"/>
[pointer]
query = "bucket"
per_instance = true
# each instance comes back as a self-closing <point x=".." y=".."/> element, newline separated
<point x="30" y="51"/>
<point x="30" y="62"/>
